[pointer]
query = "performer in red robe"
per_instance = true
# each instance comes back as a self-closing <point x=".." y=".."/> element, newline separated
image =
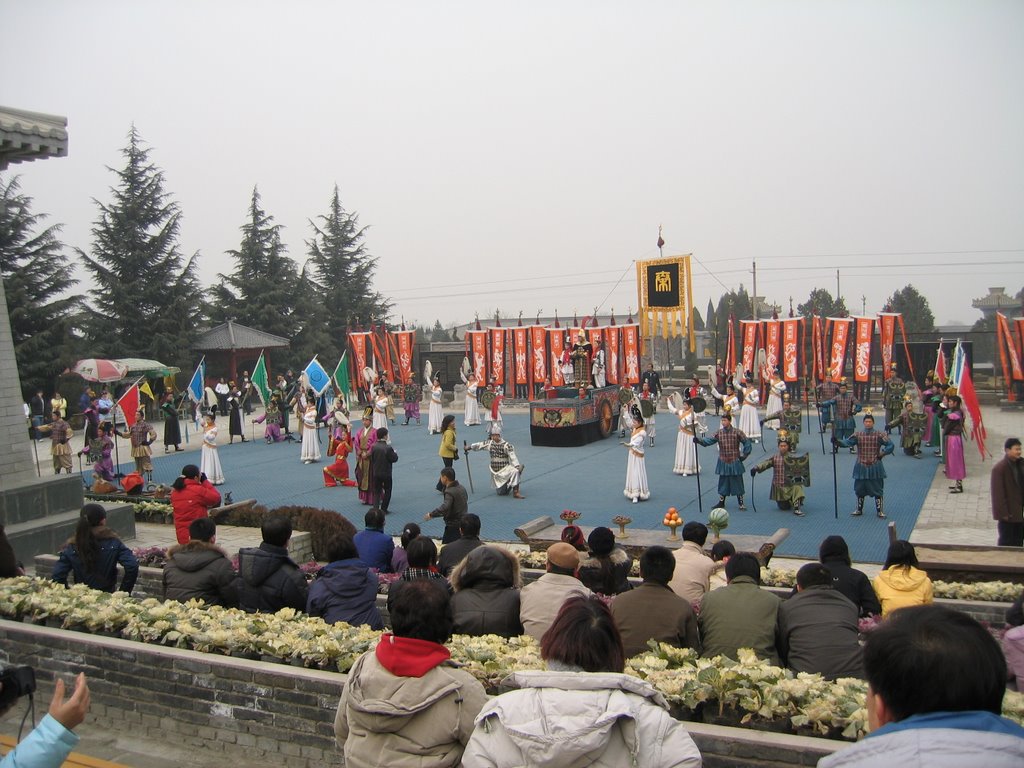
<point x="337" y="473"/>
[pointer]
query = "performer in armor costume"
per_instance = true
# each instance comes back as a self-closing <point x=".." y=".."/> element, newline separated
<point x="868" y="472"/>
<point x="506" y="471"/>
<point x="686" y="450"/>
<point x="785" y="493"/>
<point x="933" y="395"/>
<point x="436" y="412"/>
<point x="953" y="438"/>
<point x="273" y="417"/>
<point x="380" y="408"/>
<point x="827" y="390"/>
<point x="892" y="395"/>
<point x="580" y="355"/>
<point x="910" y="434"/>
<point x="472" y="415"/>
<point x="172" y="429"/>
<point x="597" y="367"/>
<point x="776" y="391"/>
<point x="749" y="424"/>
<point x="60" y="442"/>
<point x="846" y="407"/>
<point x="652" y="397"/>
<point x="412" y="397"/>
<point x="636" y="488"/>
<point x="492" y="415"/>
<point x="365" y="438"/>
<point x="565" y="364"/>
<point x="791" y="419"/>
<point x="733" y="448"/>
<point x="142" y="436"/>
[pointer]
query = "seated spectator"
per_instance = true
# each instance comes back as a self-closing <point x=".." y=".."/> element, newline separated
<point x="399" y="559"/>
<point x="721" y="551"/>
<point x="653" y="611"/>
<point x="936" y="680"/>
<point x="606" y="569"/>
<point x="345" y="589"/>
<point x="94" y="553"/>
<point x="270" y="579"/>
<point x="375" y="547"/>
<point x="405" y="702"/>
<point x="692" y="578"/>
<point x="469" y="539"/>
<point x="1013" y="643"/>
<point x="741" y="614"/>
<point x="573" y="534"/>
<point x="49" y="743"/>
<point x="200" y="570"/>
<point x="834" y="554"/>
<point x="581" y="710"/>
<point x="818" y="630"/>
<point x="422" y="553"/>
<point x="192" y="497"/>
<point x="901" y="583"/>
<point x="540" y="601"/>
<point x="486" y="601"/>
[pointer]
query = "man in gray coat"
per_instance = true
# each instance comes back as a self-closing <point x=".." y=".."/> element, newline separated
<point x="741" y="614"/>
<point x="818" y="629"/>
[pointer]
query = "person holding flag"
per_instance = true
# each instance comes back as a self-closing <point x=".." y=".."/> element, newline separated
<point x="952" y="416"/>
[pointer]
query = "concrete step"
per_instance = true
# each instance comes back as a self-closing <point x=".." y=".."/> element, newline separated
<point x="35" y="498"/>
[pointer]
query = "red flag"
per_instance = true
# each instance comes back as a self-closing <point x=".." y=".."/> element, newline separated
<point x="970" y="401"/>
<point x="129" y="405"/>
<point x="887" y="336"/>
<point x="940" y="365"/>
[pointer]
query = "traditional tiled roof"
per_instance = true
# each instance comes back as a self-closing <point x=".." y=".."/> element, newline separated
<point x="996" y="299"/>
<point x="28" y="135"/>
<point x="232" y="335"/>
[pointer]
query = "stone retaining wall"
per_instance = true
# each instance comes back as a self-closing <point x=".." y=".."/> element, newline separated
<point x="261" y="714"/>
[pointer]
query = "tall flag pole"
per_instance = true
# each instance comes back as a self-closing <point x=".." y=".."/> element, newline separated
<point x="960" y="377"/>
<point x="341" y="377"/>
<point x="260" y="380"/>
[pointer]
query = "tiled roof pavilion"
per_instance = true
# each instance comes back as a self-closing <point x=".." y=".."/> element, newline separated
<point x="234" y="339"/>
<point x="28" y="135"/>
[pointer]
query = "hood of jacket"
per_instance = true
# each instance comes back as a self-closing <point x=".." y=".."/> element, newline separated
<point x="257" y="564"/>
<point x="486" y="568"/>
<point x="582" y="712"/>
<point x="903" y="579"/>
<point x="195" y="555"/>
<point x="346" y="579"/>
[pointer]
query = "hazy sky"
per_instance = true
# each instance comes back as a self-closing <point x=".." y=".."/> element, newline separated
<point x="520" y="156"/>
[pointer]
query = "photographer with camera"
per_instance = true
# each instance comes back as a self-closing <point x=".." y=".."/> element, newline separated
<point x="49" y="743"/>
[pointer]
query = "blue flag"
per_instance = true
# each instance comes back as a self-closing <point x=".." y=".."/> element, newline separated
<point x="195" y="386"/>
<point x="317" y="376"/>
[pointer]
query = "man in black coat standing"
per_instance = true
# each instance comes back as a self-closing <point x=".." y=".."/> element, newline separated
<point x="1008" y="495"/>
<point x="382" y="457"/>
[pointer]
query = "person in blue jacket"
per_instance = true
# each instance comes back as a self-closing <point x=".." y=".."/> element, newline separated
<point x="345" y="589"/>
<point x="93" y="555"/>
<point x="375" y="547"/>
<point x="49" y="743"/>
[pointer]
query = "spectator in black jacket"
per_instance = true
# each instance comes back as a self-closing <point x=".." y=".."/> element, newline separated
<point x="199" y="569"/>
<point x="452" y="554"/>
<point x="606" y="568"/>
<point x="486" y="600"/>
<point x="94" y="554"/>
<point x="382" y="459"/>
<point x="834" y="554"/>
<point x="270" y="579"/>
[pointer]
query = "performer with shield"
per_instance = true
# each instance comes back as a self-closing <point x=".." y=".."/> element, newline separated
<point x="733" y="448"/>
<point x="844" y="424"/>
<point x="791" y="417"/>
<point x="506" y="471"/>
<point x="893" y="393"/>
<point x="911" y="426"/>
<point x="827" y="390"/>
<point x="868" y="472"/>
<point x="790" y="473"/>
<point x="411" y="398"/>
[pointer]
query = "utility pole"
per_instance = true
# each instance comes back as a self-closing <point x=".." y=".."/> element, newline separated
<point x="753" y="299"/>
<point x="838" y="294"/>
<point x="863" y="304"/>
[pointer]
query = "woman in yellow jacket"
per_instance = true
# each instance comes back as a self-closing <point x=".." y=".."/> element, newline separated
<point x="448" y="451"/>
<point x="901" y="582"/>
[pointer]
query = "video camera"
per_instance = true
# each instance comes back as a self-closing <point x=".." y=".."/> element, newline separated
<point x="17" y="681"/>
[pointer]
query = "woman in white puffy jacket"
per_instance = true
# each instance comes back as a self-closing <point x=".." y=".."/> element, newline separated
<point x="582" y="710"/>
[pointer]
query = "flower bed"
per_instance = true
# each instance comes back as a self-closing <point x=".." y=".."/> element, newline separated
<point x="747" y="692"/>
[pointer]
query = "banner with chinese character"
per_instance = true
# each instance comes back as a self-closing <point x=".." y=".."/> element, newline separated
<point x="840" y="335"/>
<point x="817" y="350"/>
<point x="790" y="346"/>
<point x="886" y="339"/>
<point x="358" y="342"/>
<point x="862" y="349"/>
<point x="476" y="343"/>
<point x="404" y="342"/>
<point x="611" y="351"/>
<point x="558" y="350"/>
<point x="772" y="340"/>
<point x="665" y="292"/>
<point x="730" y="347"/>
<point x="748" y="332"/>
<point x="1008" y="350"/>
<point x="539" y="350"/>
<point x="522" y="371"/>
<point x="631" y="354"/>
<point x="497" y="356"/>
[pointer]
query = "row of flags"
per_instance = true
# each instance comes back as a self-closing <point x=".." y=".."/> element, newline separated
<point x="959" y="376"/>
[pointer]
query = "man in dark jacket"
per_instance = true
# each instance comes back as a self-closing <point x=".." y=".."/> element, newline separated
<point x="200" y="570"/>
<point x="818" y="629"/>
<point x="345" y="590"/>
<point x="382" y="458"/>
<point x="1008" y="495"/>
<point x="653" y="611"/>
<point x="486" y="600"/>
<point x="452" y="554"/>
<point x="454" y="506"/>
<point x="270" y="579"/>
<point x="834" y="554"/>
<point x="374" y="546"/>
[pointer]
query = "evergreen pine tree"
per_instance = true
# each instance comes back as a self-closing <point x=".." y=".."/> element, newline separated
<point x="263" y="290"/>
<point x="36" y="275"/>
<point x="342" y="275"/>
<point x="146" y="300"/>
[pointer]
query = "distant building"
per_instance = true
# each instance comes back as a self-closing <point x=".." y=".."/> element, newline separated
<point x="996" y="301"/>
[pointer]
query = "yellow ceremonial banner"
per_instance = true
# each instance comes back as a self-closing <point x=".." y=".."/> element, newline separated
<point x="665" y="297"/>
<point x="145" y="389"/>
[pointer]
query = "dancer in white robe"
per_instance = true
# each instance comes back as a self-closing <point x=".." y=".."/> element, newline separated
<point x="310" y="435"/>
<point x="636" y="471"/>
<point x="775" y="395"/>
<point x="380" y="409"/>
<point x="472" y="416"/>
<point x="209" y="462"/>
<point x="686" y="451"/>
<point x="436" y="412"/>
<point x="749" y="422"/>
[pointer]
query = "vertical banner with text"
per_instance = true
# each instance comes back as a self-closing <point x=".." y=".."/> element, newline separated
<point x="477" y="342"/>
<point x="840" y="335"/>
<point x="557" y="341"/>
<point x="539" y="351"/>
<point x="497" y="374"/>
<point x="405" y="341"/>
<point x="886" y="340"/>
<point x="748" y="330"/>
<point x="631" y="354"/>
<point x="862" y="349"/>
<point x="773" y="332"/>
<point x="611" y="351"/>
<point x="522" y="371"/>
<point x="790" y="346"/>
<point x="358" y="342"/>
